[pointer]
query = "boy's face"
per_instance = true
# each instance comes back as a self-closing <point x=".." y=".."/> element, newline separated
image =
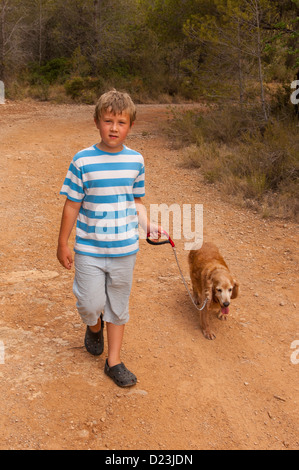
<point x="114" y="130"/>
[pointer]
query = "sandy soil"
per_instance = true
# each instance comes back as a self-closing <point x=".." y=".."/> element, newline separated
<point x="237" y="392"/>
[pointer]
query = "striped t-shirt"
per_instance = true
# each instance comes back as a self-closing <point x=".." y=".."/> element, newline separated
<point x="106" y="184"/>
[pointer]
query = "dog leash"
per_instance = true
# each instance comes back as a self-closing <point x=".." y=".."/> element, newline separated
<point x="171" y="242"/>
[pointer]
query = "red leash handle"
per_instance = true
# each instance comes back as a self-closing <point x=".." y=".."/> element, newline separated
<point x="164" y="242"/>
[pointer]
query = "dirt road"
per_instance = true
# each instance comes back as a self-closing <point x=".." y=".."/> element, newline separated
<point x="237" y="392"/>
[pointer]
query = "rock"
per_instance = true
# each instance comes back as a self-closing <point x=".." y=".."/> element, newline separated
<point x="84" y="434"/>
<point x="26" y="276"/>
<point x="138" y="392"/>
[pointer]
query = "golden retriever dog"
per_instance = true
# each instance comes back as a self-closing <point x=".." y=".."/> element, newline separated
<point x="211" y="281"/>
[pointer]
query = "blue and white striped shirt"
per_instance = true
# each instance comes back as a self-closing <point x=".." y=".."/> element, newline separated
<point x="106" y="184"/>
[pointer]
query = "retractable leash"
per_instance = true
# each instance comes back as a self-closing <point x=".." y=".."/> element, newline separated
<point x="171" y="242"/>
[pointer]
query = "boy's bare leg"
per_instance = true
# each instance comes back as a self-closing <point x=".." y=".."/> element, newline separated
<point x="97" y="327"/>
<point x="115" y="334"/>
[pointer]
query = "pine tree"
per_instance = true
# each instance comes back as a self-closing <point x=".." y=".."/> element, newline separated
<point x="233" y="39"/>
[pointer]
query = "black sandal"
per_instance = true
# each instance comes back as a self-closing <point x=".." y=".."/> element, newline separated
<point x="94" y="342"/>
<point x="120" y="375"/>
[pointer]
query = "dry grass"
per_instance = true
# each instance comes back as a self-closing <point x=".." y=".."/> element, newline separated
<point x="258" y="164"/>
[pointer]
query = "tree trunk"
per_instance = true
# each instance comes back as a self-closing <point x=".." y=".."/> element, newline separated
<point x="259" y="57"/>
<point x="241" y="86"/>
<point x="40" y="34"/>
<point x="2" y="42"/>
<point x="97" y="15"/>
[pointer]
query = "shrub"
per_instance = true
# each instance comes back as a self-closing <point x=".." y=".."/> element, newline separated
<point x="85" y="90"/>
<point x="51" y="72"/>
<point x="74" y="87"/>
<point x="259" y="165"/>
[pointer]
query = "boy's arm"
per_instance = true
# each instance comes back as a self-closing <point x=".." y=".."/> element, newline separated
<point x="69" y="217"/>
<point x="148" y="227"/>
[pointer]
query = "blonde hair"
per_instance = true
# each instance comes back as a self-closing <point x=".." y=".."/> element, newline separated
<point x="115" y="102"/>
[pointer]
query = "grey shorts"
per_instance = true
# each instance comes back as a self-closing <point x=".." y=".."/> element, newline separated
<point x="103" y="285"/>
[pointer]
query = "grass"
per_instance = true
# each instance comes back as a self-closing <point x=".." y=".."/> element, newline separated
<point x="257" y="163"/>
<point x="85" y="91"/>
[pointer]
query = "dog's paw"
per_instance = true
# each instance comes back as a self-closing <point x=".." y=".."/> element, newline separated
<point x="222" y="317"/>
<point x="209" y="334"/>
<point x="197" y="300"/>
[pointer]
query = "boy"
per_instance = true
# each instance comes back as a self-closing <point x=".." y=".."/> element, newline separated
<point x="104" y="187"/>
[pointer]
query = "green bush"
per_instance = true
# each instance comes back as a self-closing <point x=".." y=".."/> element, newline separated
<point x="74" y="87"/>
<point x="85" y="90"/>
<point x="51" y="72"/>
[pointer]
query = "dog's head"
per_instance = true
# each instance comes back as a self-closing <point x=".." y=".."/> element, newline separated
<point x="223" y="289"/>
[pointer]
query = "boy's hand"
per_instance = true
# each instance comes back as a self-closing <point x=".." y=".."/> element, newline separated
<point x="70" y="213"/>
<point x="155" y="231"/>
<point x="65" y="256"/>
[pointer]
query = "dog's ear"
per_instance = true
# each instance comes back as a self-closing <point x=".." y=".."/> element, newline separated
<point x="235" y="290"/>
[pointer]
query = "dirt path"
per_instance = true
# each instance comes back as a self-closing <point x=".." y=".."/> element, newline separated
<point x="238" y="392"/>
